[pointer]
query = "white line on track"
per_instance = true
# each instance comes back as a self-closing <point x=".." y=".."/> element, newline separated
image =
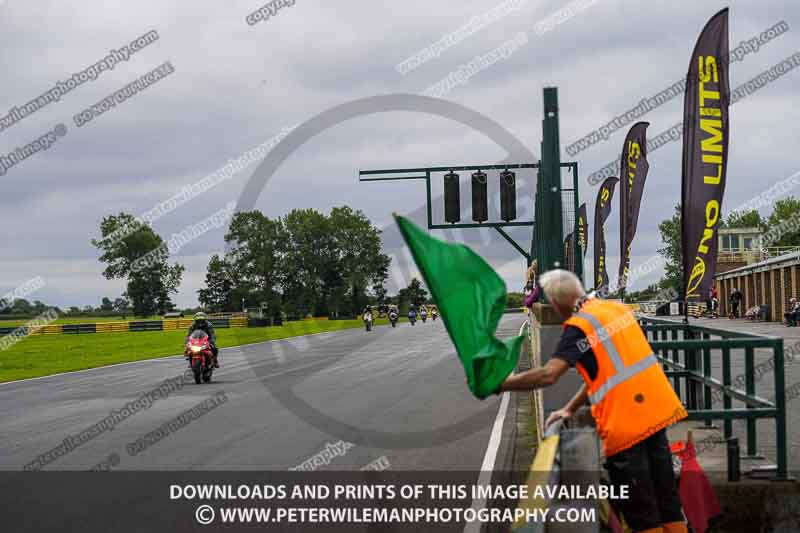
<point x="489" y="459"/>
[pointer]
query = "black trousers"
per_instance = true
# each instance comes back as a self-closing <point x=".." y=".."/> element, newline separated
<point x="647" y="471"/>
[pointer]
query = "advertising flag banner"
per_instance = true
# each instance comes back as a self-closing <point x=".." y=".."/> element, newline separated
<point x="602" y="209"/>
<point x="582" y="229"/>
<point x="705" y="155"/>
<point x="569" y="252"/>
<point x="633" y="173"/>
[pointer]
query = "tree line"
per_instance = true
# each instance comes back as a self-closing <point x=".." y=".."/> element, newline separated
<point x="304" y="263"/>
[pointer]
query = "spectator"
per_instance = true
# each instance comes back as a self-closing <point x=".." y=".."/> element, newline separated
<point x="531" y="287"/>
<point x="752" y="313"/>
<point x="712" y="302"/>
<point x="736" y="300"/>
<point x="794" y="313"/>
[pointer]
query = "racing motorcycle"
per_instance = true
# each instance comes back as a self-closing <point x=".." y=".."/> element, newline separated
<point x="412" y="316"/>
<point x="368" y="320"/>
<point x="423" y="314"/>
<point x="393" y="318"/>
<point x="434" y="314"/>
<point x="198" y="351"/>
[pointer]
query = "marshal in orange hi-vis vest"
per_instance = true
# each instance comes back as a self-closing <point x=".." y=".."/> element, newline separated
<point x="631" y="397"/>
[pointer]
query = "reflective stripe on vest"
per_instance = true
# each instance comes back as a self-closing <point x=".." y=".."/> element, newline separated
<point x="622" y="372"/>
<point x="603" y="338"/>
<point x="621" y="376"/>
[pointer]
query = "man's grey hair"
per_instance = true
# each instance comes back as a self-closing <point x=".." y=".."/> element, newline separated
<point x="561" y="286"/>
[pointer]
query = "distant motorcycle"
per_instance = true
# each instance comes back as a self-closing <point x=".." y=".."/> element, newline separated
<point x="368" y="321"/>
<point x="393" y="318"/>
<point x="412" y="317"/>
<point x="434" y="314"/>
<point x="198" y="351"/>
<point x="423" y="315"/>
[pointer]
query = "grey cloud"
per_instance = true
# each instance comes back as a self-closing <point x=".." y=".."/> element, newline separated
<point x="235" y="86"/>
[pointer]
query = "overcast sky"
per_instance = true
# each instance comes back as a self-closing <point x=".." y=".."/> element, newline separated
<point x="237" y="85"/>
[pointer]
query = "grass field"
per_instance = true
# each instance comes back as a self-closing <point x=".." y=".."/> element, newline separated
<point x="42" y="355"/>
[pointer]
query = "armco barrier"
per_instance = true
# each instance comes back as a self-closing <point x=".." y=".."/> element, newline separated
<point x="234" y="321"/>
<point x="79" y="328"/>
<point x="111" y="327"/>
<point x="146" y="325"/>
<point x="182" y="323"/>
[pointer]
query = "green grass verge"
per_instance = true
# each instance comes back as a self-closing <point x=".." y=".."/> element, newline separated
<point x="43" y="355"/>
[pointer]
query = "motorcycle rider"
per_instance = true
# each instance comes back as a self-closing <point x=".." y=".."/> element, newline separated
<point x="393" y="313"/>
<point x="423" y="312"/>
<point x="412" y="313"/>
<point x="434" y="312"/>
<point x="201" y="322"/>
<point x="367" y="316"/>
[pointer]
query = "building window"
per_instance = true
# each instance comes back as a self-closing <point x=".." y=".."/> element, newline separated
<point x="748" y="243"/>
<point x="734" y="242"/>
<point x="726" y="242"/>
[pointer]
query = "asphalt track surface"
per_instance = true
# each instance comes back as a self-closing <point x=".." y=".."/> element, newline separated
<point x="396" y="396"/>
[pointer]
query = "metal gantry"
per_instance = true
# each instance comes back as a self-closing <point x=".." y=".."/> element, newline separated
<point x="548" y="226"/>
<point x="424" y="173"/>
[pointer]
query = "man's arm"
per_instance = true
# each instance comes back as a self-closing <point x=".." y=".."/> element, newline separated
<point x="536" y="378"/>
<point x="578" y="400"/>
<point x="568" y="410"/>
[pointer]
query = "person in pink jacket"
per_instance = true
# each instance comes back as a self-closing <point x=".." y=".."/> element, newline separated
<point x="531" y="287"/>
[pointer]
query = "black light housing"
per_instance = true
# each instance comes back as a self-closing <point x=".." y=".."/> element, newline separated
<point x="480" y="201"/>
<point x="452" y="198"/>
<point x="508" y="195"/>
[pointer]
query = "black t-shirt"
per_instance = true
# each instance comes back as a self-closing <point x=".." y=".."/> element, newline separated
<point x="574" y="348"/>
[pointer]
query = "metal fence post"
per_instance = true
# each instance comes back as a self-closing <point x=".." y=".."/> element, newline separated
<point x="726" y="380"/>
<point x="780" y="407"/>
<point x="707" y="374"/>
<point x="673" y="334"/>
<point x="691" y="366"/>
<point x="750" y="388"/>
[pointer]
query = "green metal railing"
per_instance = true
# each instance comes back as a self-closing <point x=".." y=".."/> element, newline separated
<point x="685" y="351"/>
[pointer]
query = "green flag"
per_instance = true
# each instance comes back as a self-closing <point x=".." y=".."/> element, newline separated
<point x="471" y="298"/>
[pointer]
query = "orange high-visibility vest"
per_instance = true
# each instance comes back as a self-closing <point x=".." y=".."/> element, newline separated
<point x="631" y="396"/>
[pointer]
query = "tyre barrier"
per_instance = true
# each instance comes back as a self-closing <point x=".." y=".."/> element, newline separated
<point x="135" y="326"/>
